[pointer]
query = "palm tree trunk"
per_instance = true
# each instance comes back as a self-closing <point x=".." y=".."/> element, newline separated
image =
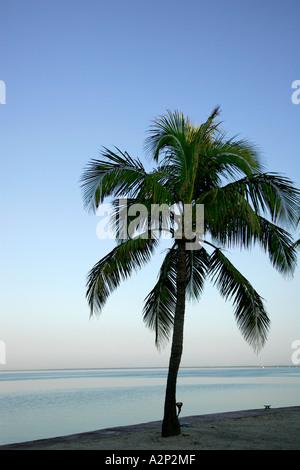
<point x="171" y="426"/>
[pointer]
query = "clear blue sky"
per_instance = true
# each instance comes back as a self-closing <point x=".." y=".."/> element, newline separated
<point x="82" y="74"/>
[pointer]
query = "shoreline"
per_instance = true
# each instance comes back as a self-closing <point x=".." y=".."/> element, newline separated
<point x="268" y="429"/>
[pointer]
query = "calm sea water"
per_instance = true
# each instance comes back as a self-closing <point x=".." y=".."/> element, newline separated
<point x="43" y="404"/>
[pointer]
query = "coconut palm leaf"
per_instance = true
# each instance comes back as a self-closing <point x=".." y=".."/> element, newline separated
<point x="167" y="132"/>
<point x="118" y="174"/>
<point x="232" y="215"/>
<point x="229" y="217"/>
<point x="250" y="314"/>
<point x="116" y="266"/>
<point x="197" y="263"/>
<point x="279" y="245"/>
<point x="231" y="157"/>
<point x="174" y="138"/>
<point x="159" y="305"/>
<point x="271" y="194"/>
<point x="158" y="313"/>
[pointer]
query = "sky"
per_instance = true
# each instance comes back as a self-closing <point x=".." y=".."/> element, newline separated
<point x="81" y="75"/>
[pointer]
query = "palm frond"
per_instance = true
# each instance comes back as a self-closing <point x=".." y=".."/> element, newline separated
<point x="159" y="308"/>
<point x="250" y="314"/>
<point x="232" y="157"/>
<point x="229" y="217"/>
<point x="167" y="132"/>
<point x="232" y="215"/>
<point x="159" y="184"/>
<point x="160" y="304"/>
<point x="197" y="262"/>
<point x="117" y="175"/>
<point x="116" y="266"/>
<point x="238" y="225"/>
<point x="179" y="143"/>
<point x="279" y="244"/>
<point x="272" y="194"/>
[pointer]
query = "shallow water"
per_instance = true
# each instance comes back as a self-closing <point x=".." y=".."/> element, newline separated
<point x="43" y="404"/>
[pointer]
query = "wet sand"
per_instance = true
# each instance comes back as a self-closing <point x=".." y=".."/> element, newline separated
<point x="273" y="429"/>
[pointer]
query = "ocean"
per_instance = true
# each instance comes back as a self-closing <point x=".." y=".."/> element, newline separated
<point x="49" y="403"/>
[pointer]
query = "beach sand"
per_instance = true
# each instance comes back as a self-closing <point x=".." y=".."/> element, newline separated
<point x="273" y="429"/>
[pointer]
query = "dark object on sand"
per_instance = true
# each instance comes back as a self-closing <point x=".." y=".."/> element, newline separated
<point x="179" y="405"/>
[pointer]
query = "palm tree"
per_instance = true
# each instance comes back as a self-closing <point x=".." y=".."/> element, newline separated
<point x="195" y="165"/>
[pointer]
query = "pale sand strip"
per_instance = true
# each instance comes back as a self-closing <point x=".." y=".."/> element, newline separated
<point x="274" y="429"/>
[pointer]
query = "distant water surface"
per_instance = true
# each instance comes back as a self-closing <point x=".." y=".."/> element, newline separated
<point x="50" y="403"/>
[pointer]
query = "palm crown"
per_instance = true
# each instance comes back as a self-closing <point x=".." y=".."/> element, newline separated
<point x="243" y="205"/>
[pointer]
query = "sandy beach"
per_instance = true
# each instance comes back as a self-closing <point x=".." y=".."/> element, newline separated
<point x="273" y="429"/>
